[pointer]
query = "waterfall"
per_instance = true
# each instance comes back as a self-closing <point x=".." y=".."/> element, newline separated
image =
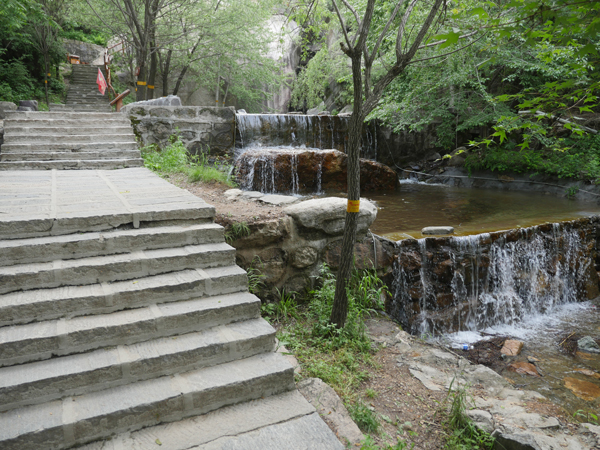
<point x="475" y="282"/>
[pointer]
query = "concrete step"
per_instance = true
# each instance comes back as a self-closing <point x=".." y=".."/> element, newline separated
<point x="69" y="147"/>
<point x="74" y="246"/>
<point x="67" y="156"/>
<point x="109" y="121"/>
<point x="102" y="269"/>
<point x="166" y="207"/>
<point x="279" y="422"/>
<point x="39" y="341"/>
<point x="98" y="415"/>
<point x="112" y="137"/>
<point x="106" y="164"/>
<point x="66" y="131"/>
<point x="62" y="115"/>
<point x="30" y="306"/>
<point x="44" y="381"/>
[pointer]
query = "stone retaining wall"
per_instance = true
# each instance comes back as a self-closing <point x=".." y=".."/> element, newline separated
<point x="203" y="129"/>
<point x="289" y="252"/>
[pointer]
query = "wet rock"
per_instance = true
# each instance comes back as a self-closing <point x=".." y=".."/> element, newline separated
<point x="588" y="344"/>
<point x="524" y="368"/>
<point x="307" y="171"/>
<point x="511" y="347"/>
<point x="329" y="214"/>
<point x="457" y="157"/>
<point x="589" y="373"/>
<point x="582" y="389"/>
<point x="437" y="230"/>
<point x="331" y="409"/>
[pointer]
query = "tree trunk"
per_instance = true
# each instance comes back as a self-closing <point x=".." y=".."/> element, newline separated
<point x="153" y="65"/>
<point x="140" y="93"/>
<point x="46" y="73"/>
<point x="339" y="312"/>
<point x="165" y="74"/>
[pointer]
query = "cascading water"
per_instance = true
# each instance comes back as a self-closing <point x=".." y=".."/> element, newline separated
<point x="475" y="282"/>
<point x="264" y="143"/>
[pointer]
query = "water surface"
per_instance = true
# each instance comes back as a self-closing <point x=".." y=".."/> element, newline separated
<point x="405" y="212"/>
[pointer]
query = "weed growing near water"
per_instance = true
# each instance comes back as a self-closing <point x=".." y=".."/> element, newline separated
<point x="334" y="355"/>
<point x="174" y="158"/>
<point x="236" y="231"/>
<point x="462" y="432"/>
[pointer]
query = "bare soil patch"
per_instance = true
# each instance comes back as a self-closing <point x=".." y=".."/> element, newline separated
<point x="228" y="211"/>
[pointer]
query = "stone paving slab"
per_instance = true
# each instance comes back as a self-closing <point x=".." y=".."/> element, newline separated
<point x="245" y="423"/>
<point x="37" y="203"/>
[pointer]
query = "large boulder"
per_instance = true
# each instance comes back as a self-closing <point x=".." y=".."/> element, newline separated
<point x="329" y="214"/>
<point x="6" y="107"/>
<point x="28" y="105"/>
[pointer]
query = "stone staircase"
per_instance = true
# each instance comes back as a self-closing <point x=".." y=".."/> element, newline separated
<point x="83" y="93"/>
<point x="68" y="140"/>
<point x="124" y="321"/>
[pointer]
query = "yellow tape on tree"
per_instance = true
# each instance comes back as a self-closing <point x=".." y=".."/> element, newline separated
<point x="353" y="206"/>
<point x="141" y="83"/>
<point x="150" y="86"/>
<point x="45" y="81"/>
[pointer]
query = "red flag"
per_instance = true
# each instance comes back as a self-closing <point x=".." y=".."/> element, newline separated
<point x="101" y="82"/>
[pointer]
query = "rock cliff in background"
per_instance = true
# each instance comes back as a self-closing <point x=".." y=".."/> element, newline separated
<point x="307" y="171"/>
<point x="88" y="53"/>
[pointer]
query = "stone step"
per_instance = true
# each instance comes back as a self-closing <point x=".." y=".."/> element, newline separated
<point x="44" y="381"/>
<point x="98" y="415"/>
<point x="62" y="115"/>
<point x="30" y="306"/>
<point x="112" y="137"/>
<point x="109" y="164"/>
<point x="67" y="156"/>
<point x="39" y="341"/>
<point x="279" y="422"/>
<point x="72" y="108"/>
<point x="69" y="147"/>
<point x="73" y="246"/>
<point x="168" y="211"/>
<point x="109" y="121"/>
<point x="102" y="269"/>
<point x="67" y="132"/>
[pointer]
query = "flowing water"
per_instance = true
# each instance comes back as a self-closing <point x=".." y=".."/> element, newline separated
<point x="529" y="288"/>
<point x="542" y="334"/>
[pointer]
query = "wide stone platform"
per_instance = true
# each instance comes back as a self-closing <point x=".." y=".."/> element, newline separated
<point x="124" y="322"/>
<point x="34" y="202"/>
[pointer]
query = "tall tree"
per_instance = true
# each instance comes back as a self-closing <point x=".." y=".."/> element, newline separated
<point x="406" y="29"/>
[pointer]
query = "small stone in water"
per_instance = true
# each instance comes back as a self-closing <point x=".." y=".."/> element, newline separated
<point x="524" y="368"/>
<point x="588" y="344"/>
<point x="512" y="347"/>
<point x="583" y="389"/>
<point x="438" y="230"/>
